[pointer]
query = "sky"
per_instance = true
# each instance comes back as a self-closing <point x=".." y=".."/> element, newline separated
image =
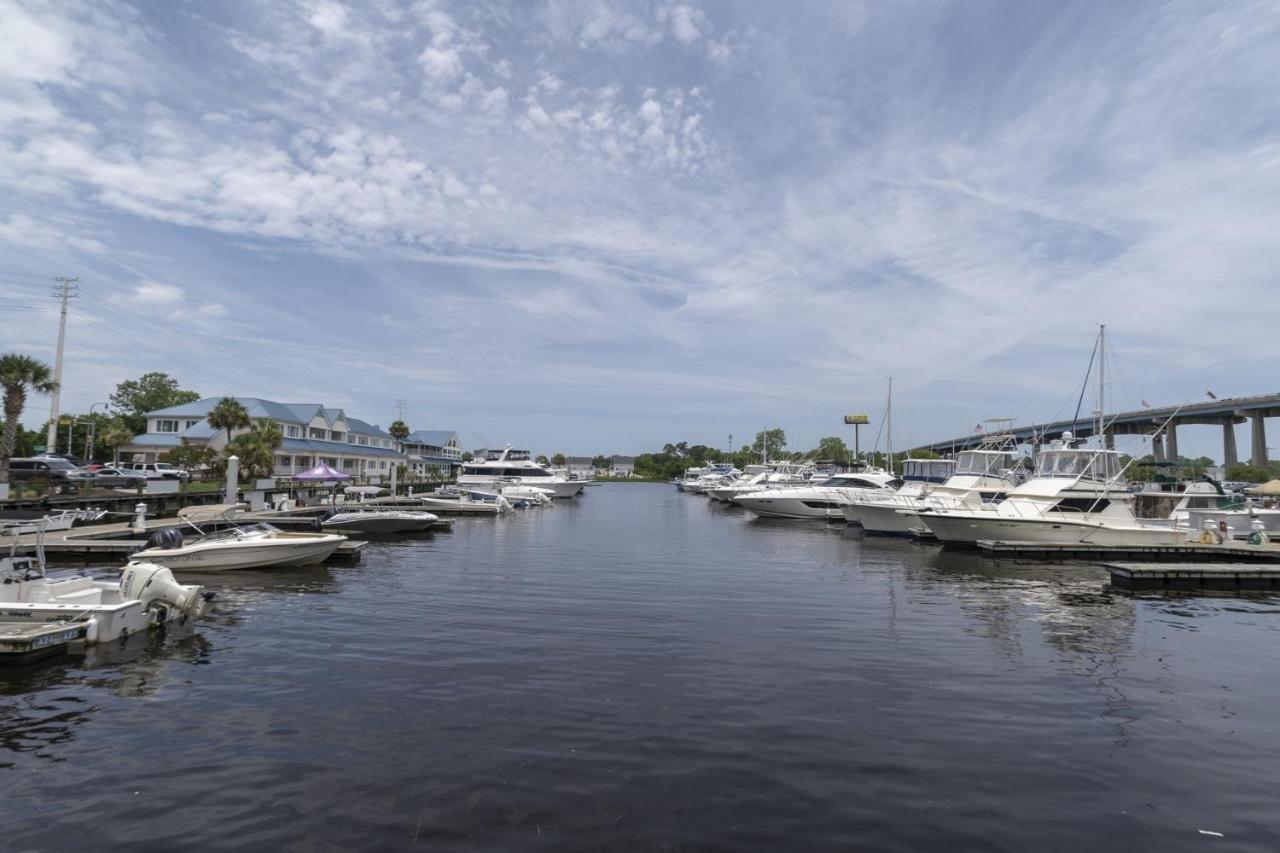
<point x="598" y="227"/>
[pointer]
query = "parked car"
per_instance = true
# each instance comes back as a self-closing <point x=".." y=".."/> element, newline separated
<point x="112" y="477"/>
<point x="59" y="472"/>
<point x="159" y="471"/>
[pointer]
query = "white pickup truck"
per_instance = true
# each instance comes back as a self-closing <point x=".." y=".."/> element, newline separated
<point x="158" y="471"/>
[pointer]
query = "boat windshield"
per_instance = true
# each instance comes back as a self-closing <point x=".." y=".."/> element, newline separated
<point x="1097" y="465"/>
<point x="983" y="463"/>
<point x="927" y="470"/>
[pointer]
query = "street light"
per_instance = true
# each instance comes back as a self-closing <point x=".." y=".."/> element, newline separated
<point x="91" y="433"/>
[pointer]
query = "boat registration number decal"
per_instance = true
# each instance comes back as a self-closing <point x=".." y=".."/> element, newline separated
<point x="55" y="639"/>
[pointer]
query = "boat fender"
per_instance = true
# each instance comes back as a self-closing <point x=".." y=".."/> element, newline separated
<point x="1210" y="537"/>
<point x="91" y="630"/>
<point x="1259" y="537"/>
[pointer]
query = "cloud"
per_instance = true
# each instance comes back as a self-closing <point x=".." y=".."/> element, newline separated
<point x="790" y="205"/>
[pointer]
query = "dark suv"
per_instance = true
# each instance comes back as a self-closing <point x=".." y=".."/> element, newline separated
<point x="59" y="472"/>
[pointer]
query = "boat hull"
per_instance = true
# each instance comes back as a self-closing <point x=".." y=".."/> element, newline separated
<point x="378" y="525"/>
<point x="969" y="529"/>
<point x="886" y="519"/>
<point x="814" y="508"/>
<point x="221" y="557"/>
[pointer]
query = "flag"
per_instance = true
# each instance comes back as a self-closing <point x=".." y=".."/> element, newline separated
<point x="979" y="429"/>
<point x="1212" y="396"/>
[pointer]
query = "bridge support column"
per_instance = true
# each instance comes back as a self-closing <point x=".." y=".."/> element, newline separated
<point x="1171" y="442"/>
<point x="1229" y="444"/>
<point x="1259" y="453"/>
<point x="1110" y="441"/>
<point x="1157" y="447"/>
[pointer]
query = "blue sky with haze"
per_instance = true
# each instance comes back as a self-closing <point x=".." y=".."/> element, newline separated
<point x="602" y="226"/>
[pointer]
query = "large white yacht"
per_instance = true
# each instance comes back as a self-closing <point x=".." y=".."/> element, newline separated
<point x="757" y="478"/>
<point x="917" y="476"/>
<point x="1074" y="496"/>
<point x="820" y="500"/>
<point x="980" y="477"/>
<point x="239" y="547"/>
<point x="494" y="468"/>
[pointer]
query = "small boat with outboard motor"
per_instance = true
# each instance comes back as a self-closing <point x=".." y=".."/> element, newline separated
<point x="41" y="615"/>
<point x="239" y="546"/>
<point x="369" y="520"/>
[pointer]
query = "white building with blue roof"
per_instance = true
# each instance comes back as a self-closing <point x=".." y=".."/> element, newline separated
<point x="312" y="433"/>
<point x="429" y="451"/>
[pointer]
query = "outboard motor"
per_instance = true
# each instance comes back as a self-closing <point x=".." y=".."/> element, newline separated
<point x="167" y="539"/>
<point x="155" y="587"/>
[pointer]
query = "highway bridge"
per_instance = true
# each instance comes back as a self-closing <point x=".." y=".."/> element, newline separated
<point x="1226" y="412"/>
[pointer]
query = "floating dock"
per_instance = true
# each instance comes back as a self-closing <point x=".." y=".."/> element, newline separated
<point x="1235" y="552"/>
<point x="1222" y="576"/>
<point x="24" y="642"/>
<point x="305" y="518"/>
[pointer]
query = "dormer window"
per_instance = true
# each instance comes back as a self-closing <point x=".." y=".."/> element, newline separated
<point x="166" y="426"/>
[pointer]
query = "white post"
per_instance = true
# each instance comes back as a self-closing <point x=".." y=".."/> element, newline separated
<point x="140" y="518"/>
<point x="231" y="489"/>
<point x="63" y="290"/>
<point x="394" y="468"/>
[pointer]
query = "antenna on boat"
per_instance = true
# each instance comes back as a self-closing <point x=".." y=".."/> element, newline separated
<point x="1102" y="379"/>
<point x="888" y="426"/>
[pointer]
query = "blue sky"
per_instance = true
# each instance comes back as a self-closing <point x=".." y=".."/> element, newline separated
<point x="602" y="226"/>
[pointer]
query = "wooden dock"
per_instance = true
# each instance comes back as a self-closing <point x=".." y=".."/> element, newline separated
<point x="1221" y="576"/>
<point x="1234" y="552"/>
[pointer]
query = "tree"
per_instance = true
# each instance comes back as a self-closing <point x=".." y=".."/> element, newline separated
<point x="135" y="397"/>
<point x="832" y="447"/>
<point x="600" y="462"/>
<point x="20" y="375"/>
<point x="542" y="460"/>
<point x="116" y="434"/>
<point x="1246" y="473"/>
<point x="230" y="415"/>
<point x="771" y="441"/>
<point x="191" y="456"/>
<point x="256" y="449"/>
<point x="467" y="456"/>
<point x="399" y="430"/>
<point x="558" y="460"/>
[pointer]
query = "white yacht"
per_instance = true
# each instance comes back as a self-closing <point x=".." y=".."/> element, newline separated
<point x="493" y="469"/>
<point x="820" y="500"/>
<point x="756" y="478"/>
<point x="917" y="476"/>
<point x="1074" y="496"/>
<point x="239" y="547"/>
<point x="980" y="477"/>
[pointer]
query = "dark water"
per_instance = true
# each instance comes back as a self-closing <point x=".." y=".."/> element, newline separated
<point x="643" y="670"/>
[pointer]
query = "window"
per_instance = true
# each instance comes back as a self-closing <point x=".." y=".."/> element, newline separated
<point x="363" y="441"/>
<point x="292" y="431"/>
<point x="351" y="439"/>
<point x="315" y="433"/>
<point x="348" y="464"/>
<point x="166" y="426"/>
<point x="189" y="424"/>
<point x="338" y="436"/>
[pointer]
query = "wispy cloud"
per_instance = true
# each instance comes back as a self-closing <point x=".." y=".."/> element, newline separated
<point x="773" y="207"/>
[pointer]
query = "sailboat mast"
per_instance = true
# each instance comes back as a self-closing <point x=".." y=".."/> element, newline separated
<point x="1102" y="383"/>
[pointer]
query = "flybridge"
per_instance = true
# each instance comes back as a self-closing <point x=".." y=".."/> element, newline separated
<point x="505" y="455"/>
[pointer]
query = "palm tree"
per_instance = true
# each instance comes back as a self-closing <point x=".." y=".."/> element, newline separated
<point x="116" y="434"/>
<point x="257" y="448"/>
<point x="399" y="430"/>
<point x="229" y="415"/>
<point x="20" y="375"/>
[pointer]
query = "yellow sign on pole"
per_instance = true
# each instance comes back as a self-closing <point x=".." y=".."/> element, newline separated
<point x="857" y="419"/>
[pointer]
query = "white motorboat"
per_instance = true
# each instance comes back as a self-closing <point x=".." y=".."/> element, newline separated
<point x="756" y="478"/>
<point x="372" y="521"/>
<point x="1074" y="496"/>
<point x="981" y="477"/>
<point x="824" y="500"/>
<point x="917" y="476"/>
<point x="493" y="468"/>
<point x="239" y="547"/>
<point x="145" y="596"/>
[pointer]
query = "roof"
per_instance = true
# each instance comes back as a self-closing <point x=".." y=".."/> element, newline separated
<point x="293" y="413"/>
<point x="335" y="448"/>
<point x="156" y="439"/>
<point x="432" y="437"/>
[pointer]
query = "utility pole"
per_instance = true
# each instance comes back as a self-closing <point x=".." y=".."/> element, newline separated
<point x="64" y="290"/>
<point x="400" y="410"/>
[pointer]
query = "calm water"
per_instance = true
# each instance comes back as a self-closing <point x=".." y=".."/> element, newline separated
<point x="644" y="670"/>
